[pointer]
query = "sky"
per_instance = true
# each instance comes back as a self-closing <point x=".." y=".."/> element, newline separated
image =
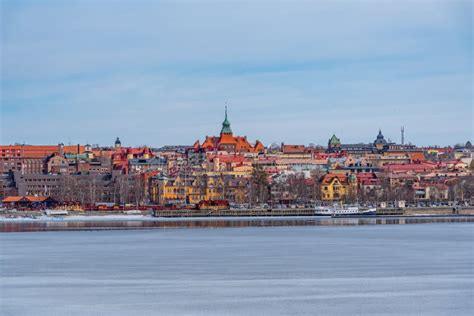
<point x="159" y="73"/>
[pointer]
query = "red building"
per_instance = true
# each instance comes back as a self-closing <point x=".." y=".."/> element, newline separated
<point x="228" y="142"/>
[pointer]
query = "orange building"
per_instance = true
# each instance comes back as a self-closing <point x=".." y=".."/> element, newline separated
<point x="228" y="142"/>
<point x="37" y="151"/>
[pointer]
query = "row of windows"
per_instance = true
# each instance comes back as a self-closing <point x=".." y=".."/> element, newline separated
<point x="49" y="187"/>
<point x="41" y="180"/>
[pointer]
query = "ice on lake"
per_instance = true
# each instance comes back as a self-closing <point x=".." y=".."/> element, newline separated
<point x="306" y="270"/>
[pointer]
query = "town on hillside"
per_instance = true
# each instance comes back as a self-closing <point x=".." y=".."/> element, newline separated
<point x="237" y="173"/>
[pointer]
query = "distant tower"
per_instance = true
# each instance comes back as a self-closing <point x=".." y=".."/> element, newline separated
<point x="403" y="134"/>
<point x="118" y="143"/>
<point x="226" y="125"/>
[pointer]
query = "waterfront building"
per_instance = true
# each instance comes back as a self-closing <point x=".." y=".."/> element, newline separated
<point x="430" y="192"/>
<point x="336" y="187"/>
<point x="195" y="188"/>
<point x="29" y="201"/>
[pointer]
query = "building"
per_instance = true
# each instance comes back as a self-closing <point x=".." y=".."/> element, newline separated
<point x="337" y="187"/>
<point x="226" y="141"/>
<point x="31" y="159"/>
<point x="193" y="189"/>
<point x="29" y="201"/>
<point x="138" y="165"/>
<point x="123" y="155"/>
<point x="430" y="191"/>
<point x="39" y="184"/>
<point x="295" y="151"/>
<point x="378" y="146"/>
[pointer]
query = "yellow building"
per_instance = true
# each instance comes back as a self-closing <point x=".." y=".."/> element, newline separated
<point x="191" y="190"/>
<point x="338" y="187"/>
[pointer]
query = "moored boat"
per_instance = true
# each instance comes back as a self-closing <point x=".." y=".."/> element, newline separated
<point x="343" y="211"/>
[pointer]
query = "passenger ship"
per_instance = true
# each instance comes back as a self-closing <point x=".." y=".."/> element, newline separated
<point x="343" y="211"/>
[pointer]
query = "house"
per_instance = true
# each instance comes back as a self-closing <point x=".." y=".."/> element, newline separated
<point x="29" y="201"/>
<point x="337" y="187"/>
<point x="430" y="191"/>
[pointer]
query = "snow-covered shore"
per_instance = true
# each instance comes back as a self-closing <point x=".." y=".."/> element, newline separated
<point x="81" y="218"/>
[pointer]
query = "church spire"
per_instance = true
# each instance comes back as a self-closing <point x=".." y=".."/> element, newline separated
<point x="226" y="124"/>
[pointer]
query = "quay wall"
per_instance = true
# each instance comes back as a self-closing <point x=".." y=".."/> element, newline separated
<point x="259" y="212"/>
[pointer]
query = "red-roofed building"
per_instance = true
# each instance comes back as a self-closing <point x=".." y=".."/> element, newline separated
<point x="228" y="142"/>
<point x="293" y="149"/>
<point x="28" y="201"/>
<point x="229" y="162"/>
<point x="122" y="155"/>
<point x="412" y="167"/>
<point x="431" y="191"/>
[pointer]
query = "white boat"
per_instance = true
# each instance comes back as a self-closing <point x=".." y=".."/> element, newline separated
<point x="132" y="212"/>
<point x="343" y="211"/>
<point x="56" y="212"/>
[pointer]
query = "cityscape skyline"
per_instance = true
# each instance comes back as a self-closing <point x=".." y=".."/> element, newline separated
<point x="398" y="140"/>
<point x="292" y="73"/>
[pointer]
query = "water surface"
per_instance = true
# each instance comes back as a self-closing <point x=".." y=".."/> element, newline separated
<point x="297" y="270"/>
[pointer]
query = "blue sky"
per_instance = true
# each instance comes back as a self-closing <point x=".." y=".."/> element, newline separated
<point x="159" y="73"/>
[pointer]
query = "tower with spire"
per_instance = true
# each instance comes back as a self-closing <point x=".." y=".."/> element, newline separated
<point x="118" y="143"/>
<point x="380" y="143"/>
<point x="226" y="141"/>
<point x="226" y="125"/>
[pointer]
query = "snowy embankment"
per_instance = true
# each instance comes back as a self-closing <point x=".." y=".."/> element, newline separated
<point x="125" y="217"/>
<point x="71" y="218"/>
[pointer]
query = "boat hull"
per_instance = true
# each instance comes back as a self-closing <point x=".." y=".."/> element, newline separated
<point x="358" y="214"/>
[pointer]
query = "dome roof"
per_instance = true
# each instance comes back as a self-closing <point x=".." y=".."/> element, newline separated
<point x="380" y="139"/>
<point x="117" y="141"/>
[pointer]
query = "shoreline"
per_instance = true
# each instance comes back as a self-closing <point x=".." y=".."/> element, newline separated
<point x="150" y="218"/>
<point x="90" y="223"/>
<point x="21" y="216"/>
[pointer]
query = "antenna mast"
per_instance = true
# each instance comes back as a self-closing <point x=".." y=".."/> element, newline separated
<point x="403" y="134"/>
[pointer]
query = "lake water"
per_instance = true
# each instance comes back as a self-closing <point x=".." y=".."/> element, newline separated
<point x="424" y="269"/>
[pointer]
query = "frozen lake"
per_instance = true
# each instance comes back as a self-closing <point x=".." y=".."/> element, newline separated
<point x="300" y="270"/>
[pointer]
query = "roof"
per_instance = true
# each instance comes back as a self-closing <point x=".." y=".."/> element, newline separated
<point x="229" y="158"/>
<point x="27" y="198"/>
<point x="10" y="199"/>
<point x="417" y="167"/>
<point x="439" y="186"/>
<point x="226" y="125"/>
<point x="150" y="161"/>
<point x="293" y="149"/>
<point x="328" y="178"/>
<point x="334" y="140"/>
<point x="37" y="151"/>
<point x="380" y="139"/>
